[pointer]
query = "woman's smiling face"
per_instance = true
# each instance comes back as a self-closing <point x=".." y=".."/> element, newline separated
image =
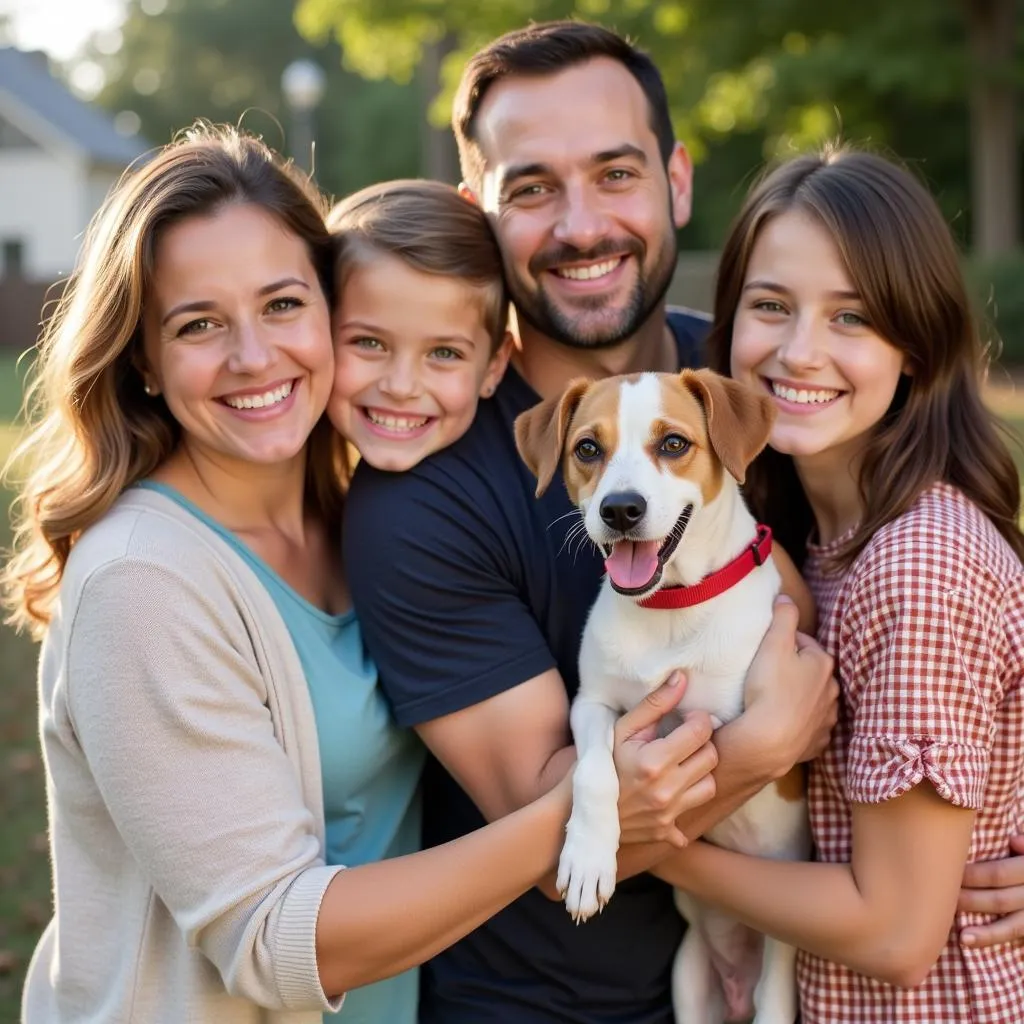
<point x="237" y="336"/>
<point x="801" y="332"/>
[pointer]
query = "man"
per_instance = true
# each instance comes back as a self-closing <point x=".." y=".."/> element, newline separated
<point x="473" y="593"/>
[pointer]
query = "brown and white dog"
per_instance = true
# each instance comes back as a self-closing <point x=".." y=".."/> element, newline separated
<point x="654" y="462"/>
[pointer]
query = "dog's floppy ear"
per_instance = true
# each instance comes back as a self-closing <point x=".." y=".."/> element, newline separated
<point x="739" y="417"/>
<point x="541" y="431"/>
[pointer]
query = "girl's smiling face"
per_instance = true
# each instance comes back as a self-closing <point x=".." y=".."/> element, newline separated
<point x="802" y="333"/>
<point x="412" y="359"/>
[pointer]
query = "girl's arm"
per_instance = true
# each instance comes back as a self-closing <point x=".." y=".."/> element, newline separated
<point x="887" y="914"/>
<point x="383" y="918"/>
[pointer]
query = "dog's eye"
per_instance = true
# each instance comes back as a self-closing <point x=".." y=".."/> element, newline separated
<point x="587" y="450"/>
<point x="674" y="444"/>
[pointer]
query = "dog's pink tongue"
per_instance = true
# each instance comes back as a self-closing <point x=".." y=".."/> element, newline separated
<point x="632" y="564"/>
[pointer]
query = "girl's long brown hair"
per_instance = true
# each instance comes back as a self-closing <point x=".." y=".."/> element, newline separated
<point x="92" y="429"/>
<point x="902" y="259"/>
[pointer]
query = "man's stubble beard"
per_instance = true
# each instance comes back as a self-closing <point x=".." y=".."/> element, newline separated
<point x="648" y="292"/>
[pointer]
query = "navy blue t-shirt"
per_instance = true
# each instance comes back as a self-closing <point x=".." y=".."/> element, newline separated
<point x="466" y="585"/>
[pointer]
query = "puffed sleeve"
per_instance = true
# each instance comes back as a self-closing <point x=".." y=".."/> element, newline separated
<point x="920" y="664"/>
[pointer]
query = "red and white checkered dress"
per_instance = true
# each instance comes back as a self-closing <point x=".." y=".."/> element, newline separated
<point x="927" y="629"/>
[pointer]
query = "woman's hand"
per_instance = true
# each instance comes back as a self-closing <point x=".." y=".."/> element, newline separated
<point x="659" y="779"/>
<point x="995" y="887"/>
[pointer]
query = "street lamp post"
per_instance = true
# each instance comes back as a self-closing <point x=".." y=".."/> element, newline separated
<point x="302" y="83"/>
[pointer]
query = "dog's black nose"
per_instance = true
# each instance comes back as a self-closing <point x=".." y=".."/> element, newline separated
<point x="623" y="510"/>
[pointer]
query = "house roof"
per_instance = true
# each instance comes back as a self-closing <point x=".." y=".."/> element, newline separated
<point x="25" y="79"/>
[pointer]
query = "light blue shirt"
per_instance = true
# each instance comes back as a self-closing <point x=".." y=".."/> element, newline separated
<point x="370" y="767"/>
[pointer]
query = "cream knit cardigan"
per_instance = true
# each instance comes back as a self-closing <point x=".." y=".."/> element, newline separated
<point x="183" y="783"/>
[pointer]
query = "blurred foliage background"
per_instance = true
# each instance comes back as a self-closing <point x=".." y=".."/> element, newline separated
<point x="937" y="82"/>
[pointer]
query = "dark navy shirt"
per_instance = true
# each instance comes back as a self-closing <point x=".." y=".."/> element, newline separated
<point x="466" y="585"/>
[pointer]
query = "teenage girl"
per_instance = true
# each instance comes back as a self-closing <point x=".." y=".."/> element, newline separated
<point x="840" y="294"/>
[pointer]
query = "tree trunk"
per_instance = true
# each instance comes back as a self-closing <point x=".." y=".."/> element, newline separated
<point x="995" y="158"/>
<point x="439" y="157"/>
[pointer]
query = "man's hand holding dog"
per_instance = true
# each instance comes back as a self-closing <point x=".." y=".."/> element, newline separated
<point x="791" y="702"/>
<point x="791" y="693"/>
<point x="662" y="778"/>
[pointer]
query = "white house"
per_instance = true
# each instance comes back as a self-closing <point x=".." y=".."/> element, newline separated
<point x="59" y="157"/>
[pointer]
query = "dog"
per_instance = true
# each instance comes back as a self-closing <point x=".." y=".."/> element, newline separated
<point x="654" y="463"/>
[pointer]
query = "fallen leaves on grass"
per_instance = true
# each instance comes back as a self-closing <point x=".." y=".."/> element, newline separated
<point x="34" y="914"/>
<point x="23" y="762"/>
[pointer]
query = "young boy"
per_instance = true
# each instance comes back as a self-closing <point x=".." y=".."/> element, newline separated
<point x="419" y="319"/>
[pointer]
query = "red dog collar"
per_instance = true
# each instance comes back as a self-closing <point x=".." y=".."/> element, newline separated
<point x="755" y="554"/>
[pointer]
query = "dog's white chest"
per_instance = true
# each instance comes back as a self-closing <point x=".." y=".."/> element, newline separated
<point x="628" y="651"/>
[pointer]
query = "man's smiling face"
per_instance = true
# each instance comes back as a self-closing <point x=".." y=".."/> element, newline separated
<point x="581" y="201"/>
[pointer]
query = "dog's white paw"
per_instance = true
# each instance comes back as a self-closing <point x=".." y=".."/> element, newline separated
<point x="586" y="876"/>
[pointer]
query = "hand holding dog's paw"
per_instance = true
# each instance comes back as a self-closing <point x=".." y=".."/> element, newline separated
<point x="586" y="873"/>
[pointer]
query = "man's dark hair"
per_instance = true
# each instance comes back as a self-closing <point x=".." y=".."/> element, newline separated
<point x="547" y="48"/>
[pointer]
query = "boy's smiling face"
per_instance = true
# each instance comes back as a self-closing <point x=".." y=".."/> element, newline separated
<point x="412" y="358"/>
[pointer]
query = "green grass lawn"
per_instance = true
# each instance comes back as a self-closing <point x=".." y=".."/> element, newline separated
<point x="12" y="376"/>
<point x="24" y="867"/>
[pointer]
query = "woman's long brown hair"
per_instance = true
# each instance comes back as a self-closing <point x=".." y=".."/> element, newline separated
<point x="901" y="258"/>
<point x="92" y="430"/>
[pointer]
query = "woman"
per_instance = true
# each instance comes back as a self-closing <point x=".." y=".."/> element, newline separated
<point x="840" y="293"/>
<point x="215" y="744"/>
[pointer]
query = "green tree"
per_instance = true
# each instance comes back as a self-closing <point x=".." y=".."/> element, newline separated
<point x="223" y="59"/>
<point x="749" y="81"/>
<point x="994" y="90"/>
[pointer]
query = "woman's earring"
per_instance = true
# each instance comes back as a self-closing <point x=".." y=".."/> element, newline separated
<point x="147" y="388"/>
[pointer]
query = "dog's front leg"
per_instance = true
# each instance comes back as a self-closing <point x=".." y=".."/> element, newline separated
<point x="586" y="869"/>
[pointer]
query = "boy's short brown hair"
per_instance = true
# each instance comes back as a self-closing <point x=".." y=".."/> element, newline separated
<point x="429" y="227"/>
